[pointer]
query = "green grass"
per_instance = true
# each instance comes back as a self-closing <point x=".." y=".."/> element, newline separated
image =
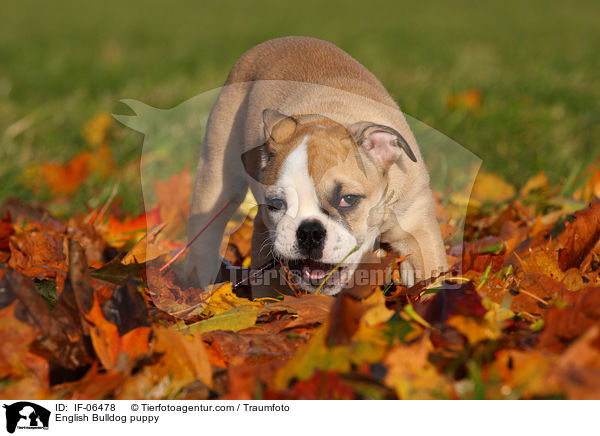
<point x="537" y="64"/>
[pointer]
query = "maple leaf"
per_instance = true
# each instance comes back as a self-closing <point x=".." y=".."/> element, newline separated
<point x="147" y="248"/>
<point x="181" y="360"/>
<point x="412" y="375"/>
<point x="580" y="237"/>
<point x="61" y="333"/>
<point x="65" y="179"/>
<point x="39" y="251"/>
<point x="118" y="233"/>
<point x="119" y="330"/>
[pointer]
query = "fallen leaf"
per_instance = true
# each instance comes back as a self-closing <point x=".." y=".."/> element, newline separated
<point x="95" y="130"/>
<point x="579" y="237"/>
<point x="468" y="99"/>
<point x="491" y="188"/>
<point x="562" y="325"/>
<point x="527" y="373"/>
<point x="146" y="249"/>
<point x="577" y="370"/>
<point x="411" y="375"/>
<point x="173" y="198"/>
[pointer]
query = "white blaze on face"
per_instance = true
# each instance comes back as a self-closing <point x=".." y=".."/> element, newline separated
<point x="303" y="204"/>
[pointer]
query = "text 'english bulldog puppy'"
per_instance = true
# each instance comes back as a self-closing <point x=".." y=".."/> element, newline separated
<point x="331" y="162"/>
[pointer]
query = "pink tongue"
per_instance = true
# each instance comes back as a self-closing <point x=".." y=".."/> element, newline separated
<point x="314" y="274"/>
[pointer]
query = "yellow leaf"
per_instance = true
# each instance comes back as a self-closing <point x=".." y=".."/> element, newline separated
<point x="368" y="346"/>
<point x="238" y="318"/>
<point x="222" y="299"/>
<point x="95" y="130"/>
<point x="475" y="330"/>
<point x="183" y="360"/>
<point x="146" y="248"/>
<point x="538" y="181"/>
<point x="490" y="188"/>
<point x="411" y="374"/>
<point x="378" y="312"/>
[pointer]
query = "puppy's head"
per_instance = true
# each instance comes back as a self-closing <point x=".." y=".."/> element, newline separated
<point x="325" y="193"/>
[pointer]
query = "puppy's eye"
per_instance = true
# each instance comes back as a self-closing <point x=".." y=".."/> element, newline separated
<point x="349" y="201"/>
<point x="276" y="204"/>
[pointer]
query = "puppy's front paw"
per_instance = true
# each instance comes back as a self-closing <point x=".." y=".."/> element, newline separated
<point x="408" y="274"/>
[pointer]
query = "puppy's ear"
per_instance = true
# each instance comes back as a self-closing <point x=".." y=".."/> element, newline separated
<point x="278" y="127"/>
<point x="382" y="143"/>
<point x="255" y="160"/>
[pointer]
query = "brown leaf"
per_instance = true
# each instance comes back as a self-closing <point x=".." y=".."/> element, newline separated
<point x="226" y="346"/>
<point x="536" y="293"/>
<point x="309" y="309"/>
<point x="563" y="325"/>
<point x="90" y="239"/>
<point x="39" y="251"/>
<point x="578" y="368"/>
<point x="62" y="340"/>
<point x="579" y="237"/>
<point x="451" y="299"/>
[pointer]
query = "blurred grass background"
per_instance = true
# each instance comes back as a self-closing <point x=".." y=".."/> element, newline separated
<point x="536" y="65"/>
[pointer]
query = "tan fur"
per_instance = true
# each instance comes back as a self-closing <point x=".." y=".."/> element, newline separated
<point x="303" y="76"/>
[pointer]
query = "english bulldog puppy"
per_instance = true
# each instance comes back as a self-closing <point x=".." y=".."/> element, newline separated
<point x="331" y="161"/>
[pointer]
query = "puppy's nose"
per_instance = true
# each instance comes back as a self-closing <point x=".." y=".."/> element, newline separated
<point x="311" y="238"/>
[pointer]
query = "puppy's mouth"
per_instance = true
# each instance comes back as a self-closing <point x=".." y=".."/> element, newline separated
<point x="312" y="273"/>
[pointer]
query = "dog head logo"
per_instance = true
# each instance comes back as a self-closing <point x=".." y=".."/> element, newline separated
<point x="26" y="415"/>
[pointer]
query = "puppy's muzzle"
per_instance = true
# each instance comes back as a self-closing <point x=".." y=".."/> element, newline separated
<point x="311" y="238"/>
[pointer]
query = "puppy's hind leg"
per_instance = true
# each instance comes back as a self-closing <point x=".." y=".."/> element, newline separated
<point x="220" y="178"/>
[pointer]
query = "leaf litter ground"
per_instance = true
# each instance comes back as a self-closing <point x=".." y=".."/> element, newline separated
<point x="86" y="313"/>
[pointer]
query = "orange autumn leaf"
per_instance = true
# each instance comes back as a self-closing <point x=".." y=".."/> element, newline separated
<point x="411" y="374"/>
<point x="110" y="346"/>
<point x="65" y="179"/>
<point x="147" y="248"/>
<point x="118" y="233"/>
<point x="16" y="338"/>
<point x="6" y="231"/>
<point x="173" y="198"/>
<point x="468" y="99"/>
<point x="39" y="251"/>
